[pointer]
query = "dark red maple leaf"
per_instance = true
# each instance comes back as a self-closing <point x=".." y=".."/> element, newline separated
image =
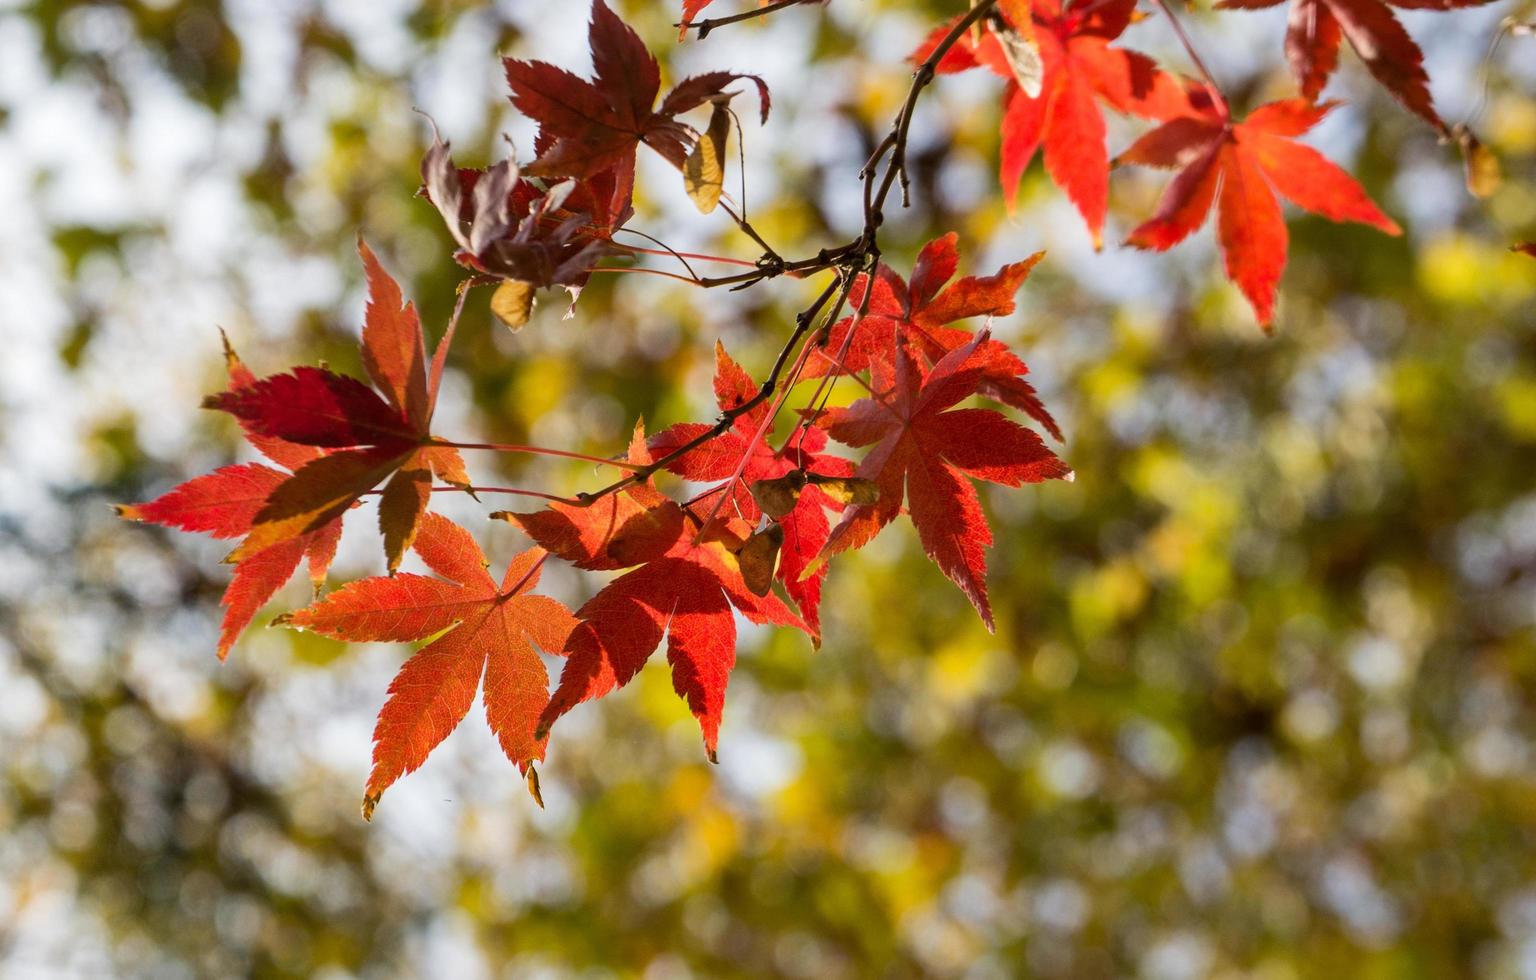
<point x="369" y="436"/>
<point x="1241" y="167"/>
<point x="1077" y="69"/>
<point x="587" y="127"/>
<point x="224" y="504"/>
<point x="920" y="314"/>
<point x="1370" y="27"/>
<point x="805" y="527"/>
<point x="494" y="632"/>
<point x="1529" y="248"/>
<point x="925" y="450"/>
<point x="683" y="590"/>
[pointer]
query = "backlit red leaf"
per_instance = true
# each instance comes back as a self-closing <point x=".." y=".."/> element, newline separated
<point x="1241" y="167"/>
<point x="494" y="632"/>
<point x="923" y="451"/>
<point x="360" y="437"/>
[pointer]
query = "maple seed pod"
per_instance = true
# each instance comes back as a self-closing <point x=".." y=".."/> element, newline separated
<point x="759" y="558"/>
<point x="847" y="489"/>
<point x="778" y="496"/>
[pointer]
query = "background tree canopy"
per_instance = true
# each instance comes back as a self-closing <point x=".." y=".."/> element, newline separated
<point x="1260" y="702"/>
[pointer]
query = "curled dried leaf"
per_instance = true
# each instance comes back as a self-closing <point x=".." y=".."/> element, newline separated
<point x="532" y="779"/>
<point x="704" y="169"/>
<point x="513" y="303"/>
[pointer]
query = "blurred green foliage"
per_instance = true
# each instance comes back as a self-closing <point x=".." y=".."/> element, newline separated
<point x="1261" y="699"/>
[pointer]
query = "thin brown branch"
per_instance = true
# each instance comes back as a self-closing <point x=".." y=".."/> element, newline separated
<point x="705" y="26"/>
<point x="861" y="256"/>
<point x="504" y="447"/>
<point x="518" y="491"/>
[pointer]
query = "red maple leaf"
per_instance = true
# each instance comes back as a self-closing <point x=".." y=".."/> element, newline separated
<point x="1317" y="26"/>
<point x="924" y="450"/>
<point x="1528" y="248"/>
<point x="805" y="527"/>
<point x="494" y="633"/>
<point x="1078" y="68"/>
<point x="225" y="503"/>
<point x="370" y="436"/>
<point x="683" y="590"/>
<point x="1241" y="167"/>
<point x="920" y="313"/>
<point x="587" y="127"/>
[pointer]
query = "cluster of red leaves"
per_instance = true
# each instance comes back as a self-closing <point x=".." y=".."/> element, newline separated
<point x="547" y="223"/>
<point x="684" y="580"/>
<point x="805" y="527"/>
<point x="754" y="542"/>
<point x="1078" y="69"/>
<point x="1240" y="165"/>
<point x="690" y="564"/>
